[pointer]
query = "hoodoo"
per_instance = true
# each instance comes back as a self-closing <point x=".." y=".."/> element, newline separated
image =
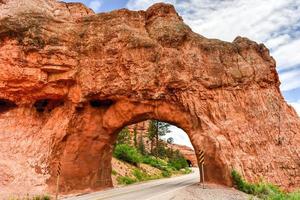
<point x="71" y="79"/>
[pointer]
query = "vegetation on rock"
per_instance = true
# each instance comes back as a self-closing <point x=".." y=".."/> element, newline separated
<point x="127" y="153"/>
<point x="37" y="197"/>
<point x="262" y="190"/>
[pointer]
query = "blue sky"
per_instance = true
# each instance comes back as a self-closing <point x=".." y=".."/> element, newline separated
<point x="276" y="23"/>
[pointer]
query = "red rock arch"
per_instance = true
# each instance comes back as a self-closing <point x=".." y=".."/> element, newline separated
<point x="78" y="164"/>
<point x="137" y="65"/>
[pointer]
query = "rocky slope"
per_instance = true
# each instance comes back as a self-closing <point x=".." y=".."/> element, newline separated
<point x="70" y="80"/>
<point x="121" y="168"/>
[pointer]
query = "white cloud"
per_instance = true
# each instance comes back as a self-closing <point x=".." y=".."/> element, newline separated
<point x="144" y="4"/>
<point x="179" y="136"/>
<point x="296" y="105"/>
<point x="273" y="22"/>
<point x="289" y="54"/>
<point x="290" y="80"/>
<point x="95" y="5"/>
<point x="278" y="41"/>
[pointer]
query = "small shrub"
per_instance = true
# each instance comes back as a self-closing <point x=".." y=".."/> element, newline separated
<point x="139" y="175"/>
<point x="125" y="180"/>
<point x="178" y="163"/>
<point x="127" y="153"/>
<point x="264" y="191"/>
<point x="114" y="172"/>
<point x="240" y="183"/>
<point x="294" y="195"/>
<point x="166" y="173"/>
<point x="37" y="197"/>
<point x="187" y="170"/>
<point x="46" y="197"/>
<point x="155" y="162"/>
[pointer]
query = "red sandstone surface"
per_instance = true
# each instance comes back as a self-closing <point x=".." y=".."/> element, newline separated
<point x="71" y="79"/>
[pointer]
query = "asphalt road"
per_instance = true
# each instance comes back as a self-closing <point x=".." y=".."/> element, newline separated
<point x="163" y="189"/>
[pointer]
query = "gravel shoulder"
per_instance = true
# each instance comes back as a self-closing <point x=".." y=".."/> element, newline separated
<point x="211" y="192"/>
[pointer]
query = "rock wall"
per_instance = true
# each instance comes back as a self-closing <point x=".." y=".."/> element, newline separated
<point x="70" y="80"/>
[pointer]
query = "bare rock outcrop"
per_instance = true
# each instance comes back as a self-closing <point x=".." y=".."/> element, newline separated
<point x="70" y="80"/>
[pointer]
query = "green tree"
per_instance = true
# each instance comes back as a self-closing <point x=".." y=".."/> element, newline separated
<point x="127" y="153"/>
<point x="123" y="136"/>
<point x="151" y="134"/>
<point x="169" y="151"/>
<point x="155" y="131"/>
<point x="161" y="150"/>
<point x="162" y="129"/>
<point x="141" y="145"/>
<point x="170" y="140"/>
<point x="134" y="137"/>
<point x="178" y="161"/>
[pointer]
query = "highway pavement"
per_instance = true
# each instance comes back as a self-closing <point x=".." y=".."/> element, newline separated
<point x="162" y="189"/>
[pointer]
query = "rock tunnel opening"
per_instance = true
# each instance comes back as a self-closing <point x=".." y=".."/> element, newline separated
<point x="189" y="163"/>
<point x="6" y="105"/>
<point x="149" y="149"/>
<point x="101" y="103"/>
<point x="47" y="105"/>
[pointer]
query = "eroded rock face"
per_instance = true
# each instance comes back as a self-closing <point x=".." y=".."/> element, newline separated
<point x="75" y="78"/>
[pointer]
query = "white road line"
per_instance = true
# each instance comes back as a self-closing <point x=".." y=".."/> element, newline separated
<point x="169" y="191"/>
<point x="112" y="193"/>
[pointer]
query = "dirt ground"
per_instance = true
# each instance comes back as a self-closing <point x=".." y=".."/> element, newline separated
<point x="211" y="192"/>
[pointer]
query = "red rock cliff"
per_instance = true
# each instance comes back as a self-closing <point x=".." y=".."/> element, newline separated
<point x="70" y="80"/>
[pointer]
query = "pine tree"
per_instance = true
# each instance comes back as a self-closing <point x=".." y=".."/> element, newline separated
<point x="141" y="146"/>
<point x="170" y="140"/>
<point x="134" y="137"/>
<point x="123" y="136"/>
<point x="155" y="131"/>
<point x="151" y="135"/>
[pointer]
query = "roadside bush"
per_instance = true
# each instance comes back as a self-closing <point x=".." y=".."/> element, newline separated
<point x="125" y="180"/>
<point x="262" y="190"/>
<point x="42" y="197"/>
<point x="127" y="153"/>
<point x="139" y="175"/>
<point x="114" y="172"/>
<point x="38" y="197"/>
<point x="166" y="173"/>
<point x="178" y="163"/>
<point x="187" y="170"/>
<point x="155" y="162"/>
<point x="294" y="195"/>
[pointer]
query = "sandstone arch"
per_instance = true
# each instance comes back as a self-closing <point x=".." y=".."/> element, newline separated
<point x="147" y="64"/>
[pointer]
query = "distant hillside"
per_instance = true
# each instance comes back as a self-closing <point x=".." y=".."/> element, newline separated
<point x="141" y="130"/>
